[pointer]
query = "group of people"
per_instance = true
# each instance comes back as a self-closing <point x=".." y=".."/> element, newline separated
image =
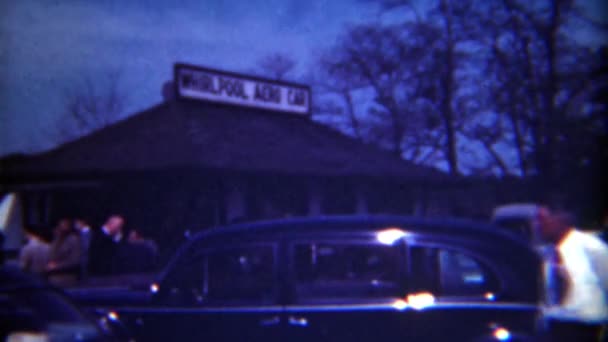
<point x="77" y="250"/>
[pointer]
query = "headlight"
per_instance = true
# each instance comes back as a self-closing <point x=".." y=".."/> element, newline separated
<point x="501" y="334"/>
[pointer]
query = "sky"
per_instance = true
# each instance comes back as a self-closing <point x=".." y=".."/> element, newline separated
<point x="49" y="46"/>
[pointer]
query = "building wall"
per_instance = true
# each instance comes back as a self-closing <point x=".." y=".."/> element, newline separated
<point x="165" y="205"/>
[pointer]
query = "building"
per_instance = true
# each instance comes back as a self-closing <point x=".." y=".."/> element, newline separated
<point x="224" y="148"/>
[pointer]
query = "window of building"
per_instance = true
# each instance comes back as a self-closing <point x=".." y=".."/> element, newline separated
<point x="340" y="269"/>
<point x="339" y="198"/>
<point x="271" y="198"/>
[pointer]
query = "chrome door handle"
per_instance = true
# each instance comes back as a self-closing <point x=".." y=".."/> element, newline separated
<point x="298" y="321"/>
<point x="274" y="320"/>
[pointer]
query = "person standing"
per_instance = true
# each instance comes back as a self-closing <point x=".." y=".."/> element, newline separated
<point x="34" y="256"/>
<point x="141" y="253"/>
<point x="64" y="261"/>
<point x="105" y="245"/>
<point x="84" y="230"/>
<point x="135" y="237"/>
<point x="578" y="280"/>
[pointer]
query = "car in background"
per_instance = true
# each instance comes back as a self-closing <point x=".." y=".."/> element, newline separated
<point x="361" y="278"/>
<point x="519" y="219"/>
<point x="33" y="311"/>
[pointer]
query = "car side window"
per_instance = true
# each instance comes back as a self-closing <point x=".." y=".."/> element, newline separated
<point x="206" y="275"/>
<point x="184" y="283"/>
<point x="240" y="273"/>
<point x="448" y="272"/>
<point x="337" y="269"/>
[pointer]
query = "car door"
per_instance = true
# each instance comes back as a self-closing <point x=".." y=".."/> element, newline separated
<point x="345" y="289"/>
<point x="465" y="296"/>
<point x="227" y="293"/>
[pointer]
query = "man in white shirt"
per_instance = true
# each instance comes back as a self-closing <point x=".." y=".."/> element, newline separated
<point x="581" y="311"/>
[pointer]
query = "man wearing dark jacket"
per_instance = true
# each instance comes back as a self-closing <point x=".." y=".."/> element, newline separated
<point x="104" y="247"/>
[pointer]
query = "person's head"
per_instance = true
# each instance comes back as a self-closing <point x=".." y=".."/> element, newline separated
<point x="64" y="227"/>
<point x="114" y="224"/>
<point x="135" y="236"/>
<point x="32" y="234"/>
<point x="80" y="223"/>
<point x="553" y="225"/>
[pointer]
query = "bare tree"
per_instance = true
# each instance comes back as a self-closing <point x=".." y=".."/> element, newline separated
<point x="91" y="104"/>
<point x="509" y="76"/>
<point x="334" y="86"/>
<point x="380" y="60"/>
<point x="541" y="79"/>
<point x="415" y="69"/>
<point x="276" y="65"/>
<point x="457" y="24"/>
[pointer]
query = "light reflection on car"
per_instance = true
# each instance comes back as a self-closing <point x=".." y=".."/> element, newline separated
<point x="30" y="310"/>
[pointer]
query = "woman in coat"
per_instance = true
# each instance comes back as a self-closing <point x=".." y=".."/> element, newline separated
<point x="65" y="257"/>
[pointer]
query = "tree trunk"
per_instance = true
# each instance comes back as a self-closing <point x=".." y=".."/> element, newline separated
<point x="397" y="132"/>
<point x="497" y="159"/>
<point x="518" y="139"/>
<point x="448" y="87"/>
<point x="351" y="114"/>
<point x="550" y="120"/>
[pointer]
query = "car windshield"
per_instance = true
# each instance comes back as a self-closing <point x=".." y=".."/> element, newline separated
<point x="518" y="225"/>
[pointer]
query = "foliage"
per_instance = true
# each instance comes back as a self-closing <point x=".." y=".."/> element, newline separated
<point x="90" y="105"/>
<point x="505" y="87"/>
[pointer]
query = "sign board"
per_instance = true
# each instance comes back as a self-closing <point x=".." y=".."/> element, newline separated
<point x="247" y="91"/>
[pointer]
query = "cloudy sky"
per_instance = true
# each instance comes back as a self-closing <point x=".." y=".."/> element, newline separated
<point x="47" y="46"/>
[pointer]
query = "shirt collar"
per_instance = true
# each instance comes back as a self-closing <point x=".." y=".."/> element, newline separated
<point x="115" y="238"/>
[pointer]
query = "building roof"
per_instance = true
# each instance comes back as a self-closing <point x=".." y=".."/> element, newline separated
<point x="188" y="134"/>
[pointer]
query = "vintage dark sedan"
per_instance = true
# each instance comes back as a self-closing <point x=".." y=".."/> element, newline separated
<point x="365" y="278"/>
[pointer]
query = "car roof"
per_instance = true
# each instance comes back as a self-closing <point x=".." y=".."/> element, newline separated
<point x="527" y="210"/>
<point x="365" y="224"/>
<point x="505" y="247"/>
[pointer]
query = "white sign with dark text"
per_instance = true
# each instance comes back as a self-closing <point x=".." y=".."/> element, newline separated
<point x="214" y="86"/>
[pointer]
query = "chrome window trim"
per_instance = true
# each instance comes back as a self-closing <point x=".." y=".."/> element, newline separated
<point x="372" y="306"/>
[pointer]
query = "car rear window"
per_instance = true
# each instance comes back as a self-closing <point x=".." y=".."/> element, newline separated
<point x="339" y="269"/>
